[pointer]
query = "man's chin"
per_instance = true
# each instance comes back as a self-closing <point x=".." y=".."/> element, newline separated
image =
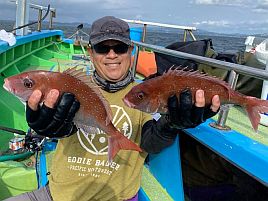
<point x="115" y="78"/>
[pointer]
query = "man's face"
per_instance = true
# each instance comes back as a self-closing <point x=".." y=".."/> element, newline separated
<point x="112" y="64"/>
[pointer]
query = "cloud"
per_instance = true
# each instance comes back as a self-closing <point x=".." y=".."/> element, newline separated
<point x="104" y="4"/>
<point x="138" y="17"/>
<point x="261" y="7"/>
<point x="89" y="10"/>
<point x="223" y="2"/>
<point x="216" y="15"/>
<point x="114" y="4"/>
<point x="224" y="26"/>
<point x="221" y="23"/>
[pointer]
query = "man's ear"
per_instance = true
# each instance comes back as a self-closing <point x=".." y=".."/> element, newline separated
<point x="90" y="51"/>
<point x="131" y="48"/>
<point x="132" y="57"/>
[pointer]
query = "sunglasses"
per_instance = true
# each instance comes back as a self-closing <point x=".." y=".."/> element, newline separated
<point x="105" y="49"/>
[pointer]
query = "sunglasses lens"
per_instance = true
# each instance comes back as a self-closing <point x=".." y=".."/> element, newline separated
<point x="120" y="48"/>
<point x="101" y="49"/>
<point x="105" y="49"/>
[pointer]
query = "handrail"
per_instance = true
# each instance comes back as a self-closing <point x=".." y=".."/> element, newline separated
<point x="35" y="6"/>
<point x="187" y="29"/>
<point x="38" y="7"/>
<point x="40" y="17"/>
<point x="161" y="24"/>
<point x="246" y="70"/>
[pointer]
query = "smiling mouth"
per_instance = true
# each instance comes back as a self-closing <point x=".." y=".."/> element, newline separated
<point x="112" y="65"/>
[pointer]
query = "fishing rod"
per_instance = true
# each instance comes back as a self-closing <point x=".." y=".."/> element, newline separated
<point x="12" y="130"/>
<point x="31" y="23"/>
<point x="32" y="142"/>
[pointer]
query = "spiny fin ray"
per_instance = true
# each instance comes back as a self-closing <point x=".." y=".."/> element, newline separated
<point x="195" y="74"/>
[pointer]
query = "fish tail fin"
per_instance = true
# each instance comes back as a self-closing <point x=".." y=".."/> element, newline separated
<point x="118" y="142"/>
<point x="254" y="106"/>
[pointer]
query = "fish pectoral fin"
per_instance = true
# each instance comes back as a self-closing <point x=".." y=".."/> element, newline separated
<point x="118" y="142"/>
<point x="87" y="129"/>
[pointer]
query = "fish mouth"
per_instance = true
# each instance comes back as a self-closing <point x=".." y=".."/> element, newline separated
<point x="128" y="103"/>
<point x="7" y="86"/>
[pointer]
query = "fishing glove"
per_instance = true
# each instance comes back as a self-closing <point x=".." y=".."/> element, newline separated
<point x="185" y="114"/>
<point x="157" y="135"/>
<point x="54" y="122"/>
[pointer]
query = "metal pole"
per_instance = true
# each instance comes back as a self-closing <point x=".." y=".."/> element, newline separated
<point x="52" y="14"/>
<point x="184" y="36"/>
<point x="144" y="33"/>
<point x="22" y="17"/>
<point x="135" y="62"/>
<point x="39" y="25"/>
<point x="192" y="35"/>
<point x="223" y="113"/>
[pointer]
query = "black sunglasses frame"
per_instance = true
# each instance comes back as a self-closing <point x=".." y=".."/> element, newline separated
<point x="121" y="48"/>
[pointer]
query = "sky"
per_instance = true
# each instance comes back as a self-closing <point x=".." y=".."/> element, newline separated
<point x="222" y="16"/>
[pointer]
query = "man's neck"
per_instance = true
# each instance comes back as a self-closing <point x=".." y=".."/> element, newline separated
<point x="110" y="86"/>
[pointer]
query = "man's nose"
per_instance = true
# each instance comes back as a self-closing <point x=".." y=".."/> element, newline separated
<point x="111" y="53"/>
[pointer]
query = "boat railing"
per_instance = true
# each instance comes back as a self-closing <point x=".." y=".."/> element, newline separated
<point x="40" y="12"/>
<point x="22" y="16"/>
<point x="235" y="70"/>
<point x="187" y="29"/>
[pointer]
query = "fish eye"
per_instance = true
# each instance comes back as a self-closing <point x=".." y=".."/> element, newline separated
<point x="28" y="83"/>
<point x="140" y="95"/>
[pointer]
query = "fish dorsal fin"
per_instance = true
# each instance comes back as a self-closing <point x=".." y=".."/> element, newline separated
<point x="195" y="74"/>
<point x="88" y="80"/>
<point x="80" y="75"/>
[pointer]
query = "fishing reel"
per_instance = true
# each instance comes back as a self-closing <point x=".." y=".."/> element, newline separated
<point x="33" y="141"/>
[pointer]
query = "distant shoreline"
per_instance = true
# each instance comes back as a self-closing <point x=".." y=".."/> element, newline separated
<point x="156" y="36"/>
<point x="153" y="29"/>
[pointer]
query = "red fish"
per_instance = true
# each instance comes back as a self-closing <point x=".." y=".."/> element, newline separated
<point x="151" y="96"/>
<point x="94" y="110"/>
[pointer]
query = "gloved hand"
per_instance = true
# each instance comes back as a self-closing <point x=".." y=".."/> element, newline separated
<point x="54" y="122"/>
<point x="184" y="114"/>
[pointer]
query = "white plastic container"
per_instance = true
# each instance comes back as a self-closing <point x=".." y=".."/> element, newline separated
<point x="264" y="96"/>
<point x="16" y="143"/>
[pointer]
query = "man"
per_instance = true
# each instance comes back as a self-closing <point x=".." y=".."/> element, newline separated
<point x="80" y="168"/>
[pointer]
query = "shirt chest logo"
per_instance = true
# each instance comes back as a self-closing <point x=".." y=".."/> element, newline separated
<point x="96" y="143"/>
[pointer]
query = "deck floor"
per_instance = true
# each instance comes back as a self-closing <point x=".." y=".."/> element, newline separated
<point x="239" y="121"/>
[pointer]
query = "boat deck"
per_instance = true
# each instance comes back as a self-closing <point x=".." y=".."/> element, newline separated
<point x="239" y="121"/>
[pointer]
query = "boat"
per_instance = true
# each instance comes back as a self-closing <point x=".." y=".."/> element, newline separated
<point x="229" y="140"/>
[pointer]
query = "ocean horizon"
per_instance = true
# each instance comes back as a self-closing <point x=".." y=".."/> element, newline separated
<point x="222" y="43"/>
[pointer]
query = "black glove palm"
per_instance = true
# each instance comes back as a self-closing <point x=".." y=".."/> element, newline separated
<point x="184" y="114"/>
<point x="54" y="122"/>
